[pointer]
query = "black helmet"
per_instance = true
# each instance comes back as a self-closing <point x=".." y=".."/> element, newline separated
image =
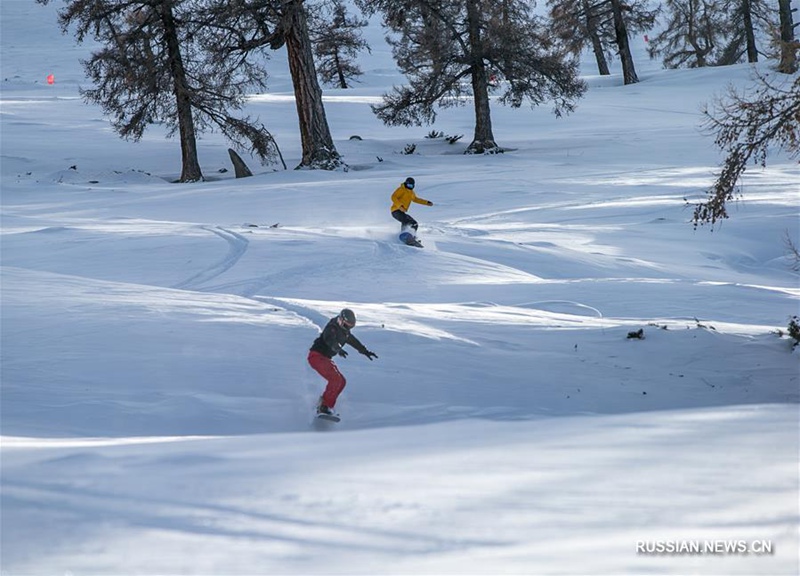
<point x="409" y="183"/>
<point x="348" y="317"/>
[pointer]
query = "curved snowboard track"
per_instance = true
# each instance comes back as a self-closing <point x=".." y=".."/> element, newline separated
<point x="237" y="247"/>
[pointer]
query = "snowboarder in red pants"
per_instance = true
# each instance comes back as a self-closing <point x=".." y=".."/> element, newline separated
<point x="327" y="345"/>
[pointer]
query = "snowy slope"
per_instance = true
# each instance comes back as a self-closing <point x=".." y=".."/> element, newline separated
<point x="156" y="400"/>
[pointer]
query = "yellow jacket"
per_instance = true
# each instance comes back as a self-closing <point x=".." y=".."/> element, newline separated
<point x="403" y="197"/>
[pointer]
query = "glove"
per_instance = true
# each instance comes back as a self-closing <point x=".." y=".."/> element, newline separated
<point x="430" y="203"/>
<point x="370" y="354"/>
<point x="342" y="353"/>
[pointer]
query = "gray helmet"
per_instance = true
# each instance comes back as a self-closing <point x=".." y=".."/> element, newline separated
<point x="348" y="317"/>
<point x="409" y="183"/>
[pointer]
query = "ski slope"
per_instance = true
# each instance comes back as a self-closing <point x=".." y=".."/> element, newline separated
<point x="157" y="405"/>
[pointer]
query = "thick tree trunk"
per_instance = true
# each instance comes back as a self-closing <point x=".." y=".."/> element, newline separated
<point x="315" y="135"/>
<point x="597" y="46"/>
<point x="747" y="17"/>
<point x="789" y="46"/>
<point x="339" y="72"/>
<point x="621" y="34"/>
<point x="190" y="171"/>
<point x="483" y="141"/>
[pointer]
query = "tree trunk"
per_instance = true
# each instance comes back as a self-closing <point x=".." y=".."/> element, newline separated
<point x="339" y="71"/>
<point x="621" y="33"/>
<point x="597" y="46"/>
<point x="240" y="169"/>
<point x="483" y="141"/>
<point x="315" y="135"/>
<point x="190" y="171"/>
<point x="747" y="17"/>
<point x="789" y="46"/>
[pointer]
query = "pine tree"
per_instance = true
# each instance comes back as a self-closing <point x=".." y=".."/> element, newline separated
<point x="693" y="30"/>
<point x="279" y="23"/>
<point x="152" y="67"/>
<point x="315" y="134"/>
<point x="449" y="49"/>
<point x="745" y="19"/>
<point x="745" y="12"/>
<point x="337" y="41"/>
<point x="583" y="23"/>
<point x="702" y="33"/>
<point x="629" y="75"/>
<point x="579" y="23"/>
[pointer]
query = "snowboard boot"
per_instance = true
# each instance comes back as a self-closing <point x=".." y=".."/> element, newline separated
<point x="322" y="409"/>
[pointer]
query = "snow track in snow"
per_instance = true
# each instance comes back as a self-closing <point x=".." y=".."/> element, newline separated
<point x="237" y="246"/>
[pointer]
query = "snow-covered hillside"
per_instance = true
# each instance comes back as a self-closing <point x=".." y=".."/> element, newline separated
<point x="156" y="400"/>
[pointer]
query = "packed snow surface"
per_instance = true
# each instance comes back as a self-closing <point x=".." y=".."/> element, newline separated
<point x="156" y="399"/>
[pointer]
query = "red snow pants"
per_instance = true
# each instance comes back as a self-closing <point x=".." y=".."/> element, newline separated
<point x="328" y="370"/>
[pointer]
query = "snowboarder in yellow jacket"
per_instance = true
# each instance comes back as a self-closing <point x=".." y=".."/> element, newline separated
<point x="401" y="201"/>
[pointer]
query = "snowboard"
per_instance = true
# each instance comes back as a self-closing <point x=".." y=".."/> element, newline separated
<point x="329" y="417"/>
<point x="409" y="239"/>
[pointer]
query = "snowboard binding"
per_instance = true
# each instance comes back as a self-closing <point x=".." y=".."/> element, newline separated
<point x="409" y="237"/>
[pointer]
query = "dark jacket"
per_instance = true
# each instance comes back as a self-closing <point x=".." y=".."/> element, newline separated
<point x="333" y="338"/>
